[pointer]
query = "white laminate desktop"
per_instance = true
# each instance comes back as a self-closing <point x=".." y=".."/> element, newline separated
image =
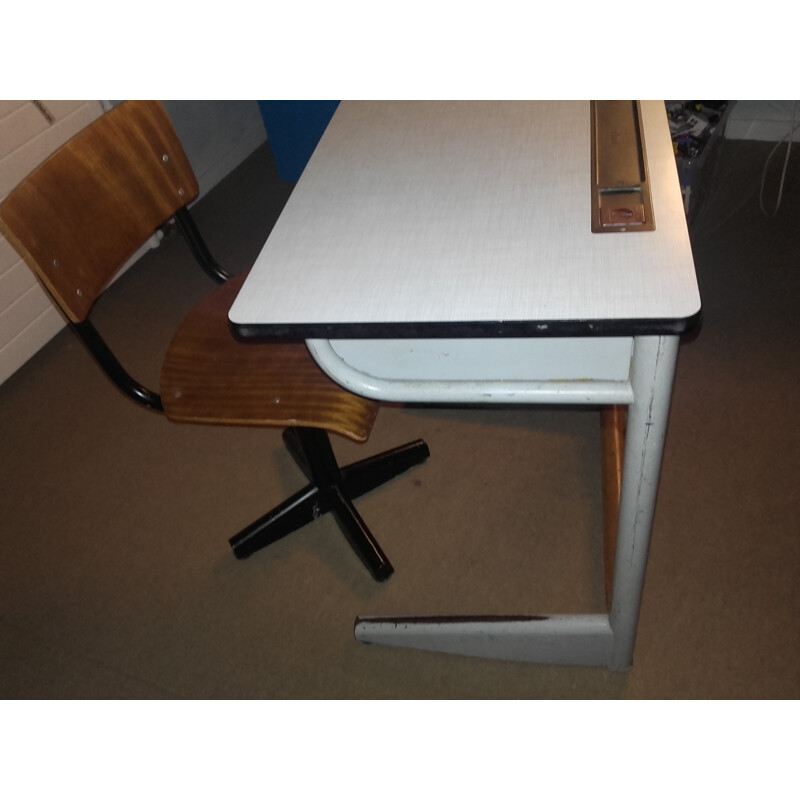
<point x="428" y="215"/>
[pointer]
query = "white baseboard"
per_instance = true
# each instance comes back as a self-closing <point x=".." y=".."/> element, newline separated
<point x="762" y="120"/>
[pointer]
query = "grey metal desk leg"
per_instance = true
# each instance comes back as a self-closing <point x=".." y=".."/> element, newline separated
<point x="653" y="370"/>
<point x="580" y="639"/>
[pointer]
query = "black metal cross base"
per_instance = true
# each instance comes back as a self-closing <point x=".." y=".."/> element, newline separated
<point x="331" y="489"/>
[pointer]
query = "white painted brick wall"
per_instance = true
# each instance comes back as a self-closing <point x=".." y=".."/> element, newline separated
<point x="28" y="319"/>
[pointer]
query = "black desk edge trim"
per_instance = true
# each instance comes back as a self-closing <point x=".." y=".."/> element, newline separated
<point x="466" y="330"/>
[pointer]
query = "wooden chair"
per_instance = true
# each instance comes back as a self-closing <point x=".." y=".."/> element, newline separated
<point x="85" y="211"/>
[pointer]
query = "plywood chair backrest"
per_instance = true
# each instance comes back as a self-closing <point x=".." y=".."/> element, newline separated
<point x="79" y="216"/>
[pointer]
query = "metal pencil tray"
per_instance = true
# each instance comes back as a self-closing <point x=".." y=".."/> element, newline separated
<point x="620" y="188"/>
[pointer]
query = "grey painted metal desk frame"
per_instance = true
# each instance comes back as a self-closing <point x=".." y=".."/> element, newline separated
<point x="441" y="252"/>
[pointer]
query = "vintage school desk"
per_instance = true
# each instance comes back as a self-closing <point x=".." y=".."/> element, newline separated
<point x="543" y="246"/>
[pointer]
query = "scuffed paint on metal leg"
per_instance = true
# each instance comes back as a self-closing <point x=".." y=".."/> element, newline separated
<point x="653" y="370"/>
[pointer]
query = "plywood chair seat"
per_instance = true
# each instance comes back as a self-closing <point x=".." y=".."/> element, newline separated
<point x="79" y="217"/>
<point x="210" y="377"/>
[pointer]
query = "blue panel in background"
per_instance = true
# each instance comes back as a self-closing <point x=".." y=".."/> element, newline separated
<point x="294" y="127"/>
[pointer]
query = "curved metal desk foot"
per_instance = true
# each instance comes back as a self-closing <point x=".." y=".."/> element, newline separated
<point x="580" y="639"/>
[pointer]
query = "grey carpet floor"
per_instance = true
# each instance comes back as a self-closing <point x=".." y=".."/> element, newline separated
<point x="116" y="580"/>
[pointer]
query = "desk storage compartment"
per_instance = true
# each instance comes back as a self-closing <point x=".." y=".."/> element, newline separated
<point x="489" y="359"/>
<point x="552" y="370"/>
